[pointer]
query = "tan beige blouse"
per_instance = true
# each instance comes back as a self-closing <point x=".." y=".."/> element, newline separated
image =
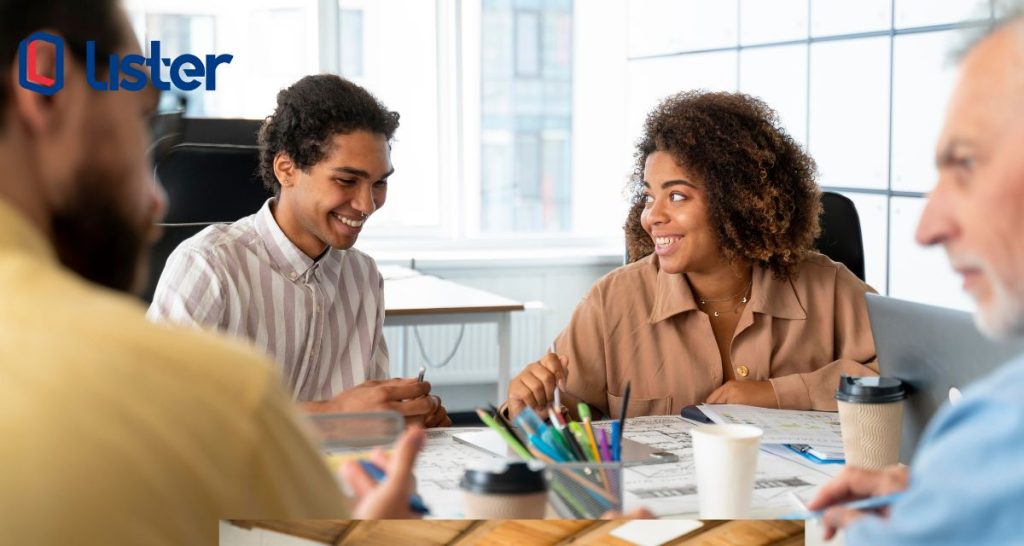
<point x="642" y="325"/>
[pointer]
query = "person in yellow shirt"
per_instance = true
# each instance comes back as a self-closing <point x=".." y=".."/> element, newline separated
<point x="114" y="430"/>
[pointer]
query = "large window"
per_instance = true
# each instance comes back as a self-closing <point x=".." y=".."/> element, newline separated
<point x="526" y="116"/>
<point x="490" y="145"/>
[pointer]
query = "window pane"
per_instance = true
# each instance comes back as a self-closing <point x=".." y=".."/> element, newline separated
<point x="651" y="80"/>
<point x="179" y="34"/>
<point x="526" y="116"/>
<point x="849" y="110"/>
<point x="874" y="217"/>
<point x="920" y="13"/>
<point x="832" y="17"/>
<point x="918" y="273"/>
<point x="602" y="142"/>
<point x="248" y="85"/>
<point x="778" y="75"/>
<point x="774" y="21"/>
<point x="669" y="26"/>
<point x="405" y="79"/>
<point x="351" y="38"/>
<point x="923" y="79"/>
<point x="1002" y="8"/>
<point x="527" y="47"/>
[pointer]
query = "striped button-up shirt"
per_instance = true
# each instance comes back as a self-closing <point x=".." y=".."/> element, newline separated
<point x="321" y="320"/>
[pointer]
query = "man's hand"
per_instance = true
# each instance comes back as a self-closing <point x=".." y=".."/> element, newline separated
<point x="535" y="385"/>
<point x="856" y="483"/>
<point x="390" y="498"/>
<point x="749" y="393"/>
<point x="406" y="396"/>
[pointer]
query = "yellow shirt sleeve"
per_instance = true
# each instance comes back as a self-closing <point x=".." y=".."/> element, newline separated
<point x="289" y="478"/>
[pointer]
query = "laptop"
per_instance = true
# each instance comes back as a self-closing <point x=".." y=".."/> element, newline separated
<point x="934" y="350"/>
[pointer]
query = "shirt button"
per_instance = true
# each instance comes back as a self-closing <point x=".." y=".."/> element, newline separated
<point x="294" y="275"/>
<point x="742" y="371"/>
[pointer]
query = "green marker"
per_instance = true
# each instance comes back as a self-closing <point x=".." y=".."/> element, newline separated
<point x="581" y="438"/>
<point x="505" y="435"/>
<point x="584" y="411"/>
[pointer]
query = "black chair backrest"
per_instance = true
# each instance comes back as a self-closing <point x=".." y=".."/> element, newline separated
<point x="205" y="184"/>
<point x="211" y="183"/>
<point x="840" y="237"/>
<point x="241" y="132"/>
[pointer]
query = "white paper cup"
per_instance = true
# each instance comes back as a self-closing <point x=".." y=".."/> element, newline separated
<point x="725" y="460"/>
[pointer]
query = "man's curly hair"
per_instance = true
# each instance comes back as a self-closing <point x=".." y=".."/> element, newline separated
<point x="763" y="201"/>
<point x="310" y="113"/>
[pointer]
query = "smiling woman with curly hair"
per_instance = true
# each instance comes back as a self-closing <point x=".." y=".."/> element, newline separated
<point x="725" y="299"/>
<point x="763" y="203"/>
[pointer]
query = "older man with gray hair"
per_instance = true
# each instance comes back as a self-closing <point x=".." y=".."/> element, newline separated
<point x="966" y="484"/>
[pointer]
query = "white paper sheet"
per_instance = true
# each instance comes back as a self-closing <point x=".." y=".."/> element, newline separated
<point x="817" y="428"/>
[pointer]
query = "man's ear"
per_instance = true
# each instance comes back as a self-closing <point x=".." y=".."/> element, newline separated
<point x="47" y="115"/>
<point x="51" y="125"/>
<point x="285" y="170"/>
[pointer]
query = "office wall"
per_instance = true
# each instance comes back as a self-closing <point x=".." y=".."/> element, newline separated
<point x="862" y="85"/>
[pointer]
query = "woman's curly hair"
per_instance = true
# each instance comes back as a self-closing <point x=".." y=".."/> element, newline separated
<point x="309" y="114"/>
<point x="763" y="201"/>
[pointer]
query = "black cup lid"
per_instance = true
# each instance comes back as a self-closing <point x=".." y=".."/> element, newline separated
<point x="516" y="479"/>
<point x="870" y="390"/>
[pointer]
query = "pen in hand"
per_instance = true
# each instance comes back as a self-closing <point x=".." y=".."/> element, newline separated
<point x="378" y="475"/>
<point x="870" y="503"/>
<point x="558" y="395"/>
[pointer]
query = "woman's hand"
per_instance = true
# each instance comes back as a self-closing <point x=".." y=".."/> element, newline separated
<point x="535" y="385"/>
<point x="749" y="393"/>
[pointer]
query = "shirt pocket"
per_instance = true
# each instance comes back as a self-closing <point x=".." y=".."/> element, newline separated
<point x="639" y="406"/>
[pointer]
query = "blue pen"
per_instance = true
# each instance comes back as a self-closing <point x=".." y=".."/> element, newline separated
<point x="870" y="503"/>
<point x="805" y="451"/>
<point x="548" y="436"/>
<point x="378" y="475"/>
<point x="546" y="449"/>
<point x="616" y="433"/>
<point x="531" y="419"/>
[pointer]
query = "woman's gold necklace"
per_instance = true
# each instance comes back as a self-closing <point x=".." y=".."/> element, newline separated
<point x="704" y="301"/>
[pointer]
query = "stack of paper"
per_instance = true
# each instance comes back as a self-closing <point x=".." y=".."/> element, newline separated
<point x="814" y="433"/>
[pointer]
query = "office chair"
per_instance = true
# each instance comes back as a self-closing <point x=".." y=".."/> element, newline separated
<point x="840" y="237"/>
<point x="240" y="132"/>
<point x="205" y="184"/>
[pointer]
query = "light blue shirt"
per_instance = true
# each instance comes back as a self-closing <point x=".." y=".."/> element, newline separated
<point x="967" y="479"/>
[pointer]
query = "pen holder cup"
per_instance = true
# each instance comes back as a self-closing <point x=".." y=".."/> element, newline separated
<point x="347" y="436"/>
<point x="584" y="490"/>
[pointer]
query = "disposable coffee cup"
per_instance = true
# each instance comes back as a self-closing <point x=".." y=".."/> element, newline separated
<point x="725" y="461"/>
<point x="513" y="491"/>
<point x="871" y="416"/>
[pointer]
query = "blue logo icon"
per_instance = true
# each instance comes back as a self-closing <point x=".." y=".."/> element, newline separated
<point x="30" y="75"/>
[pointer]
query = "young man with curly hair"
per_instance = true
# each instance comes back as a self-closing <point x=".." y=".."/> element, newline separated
<point x="287" y="277"/>
<point x="725" y="301"/>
